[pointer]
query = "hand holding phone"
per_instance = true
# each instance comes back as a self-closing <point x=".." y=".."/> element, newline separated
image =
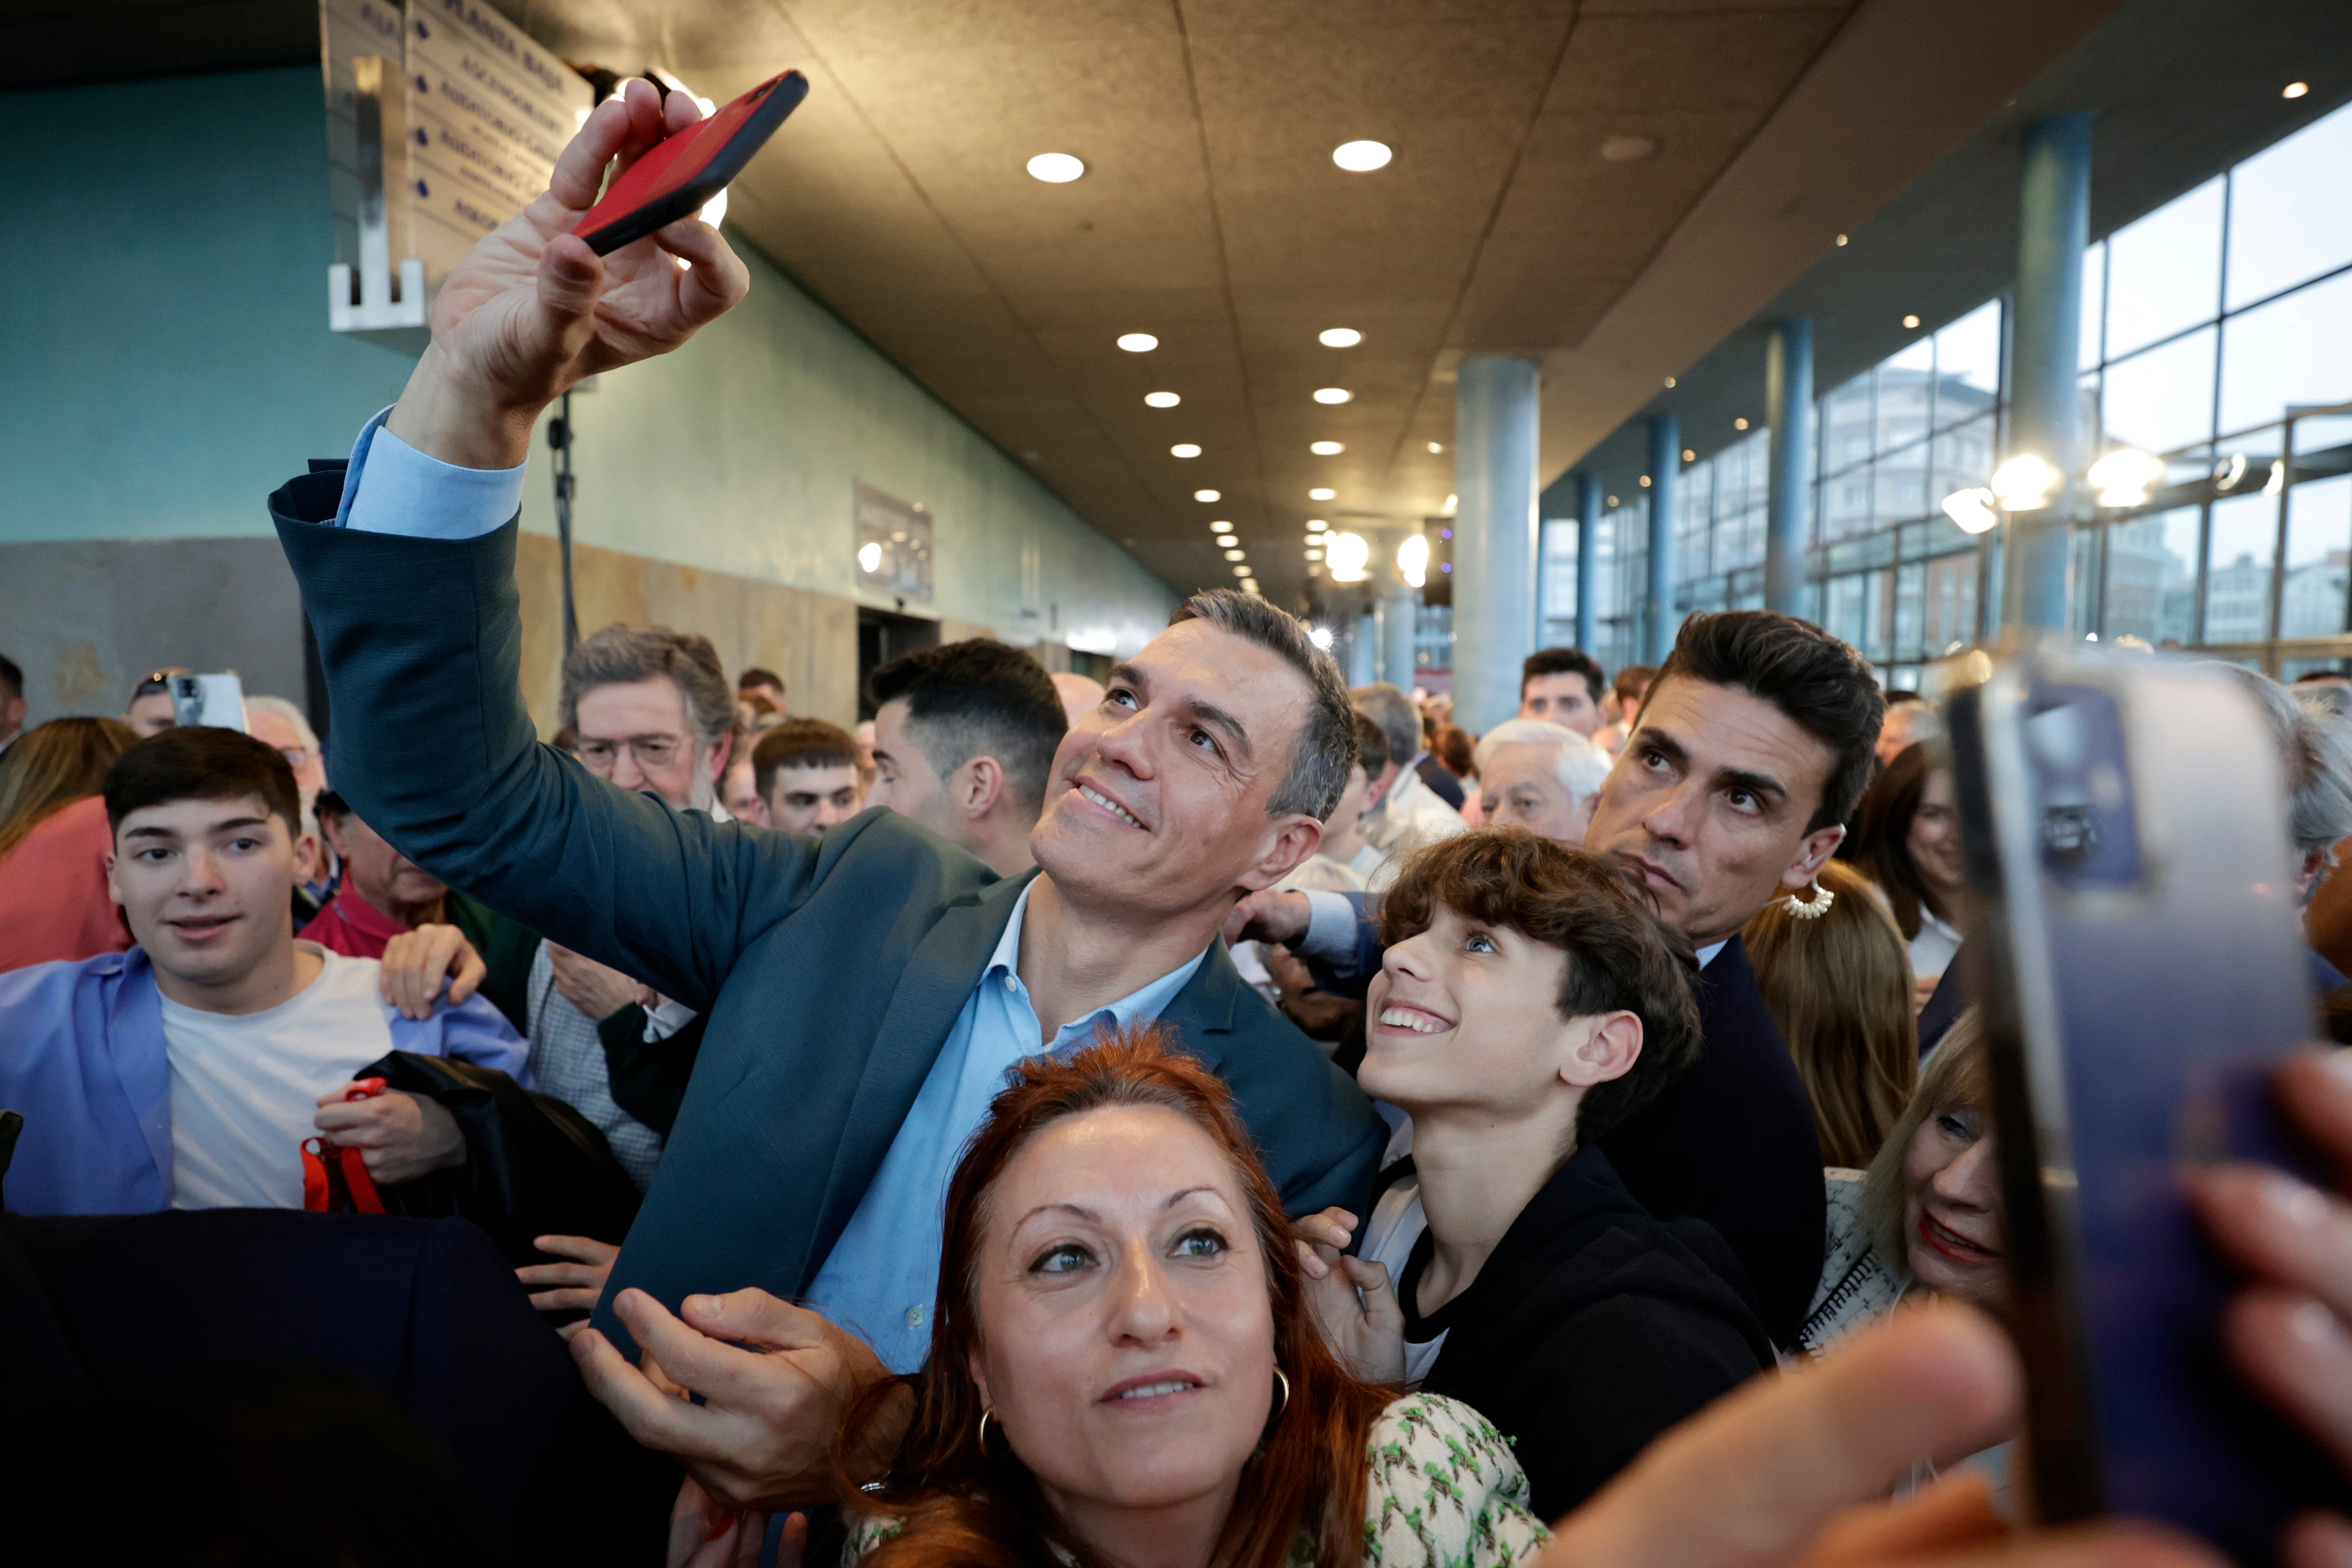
<point x="677" y="177"/>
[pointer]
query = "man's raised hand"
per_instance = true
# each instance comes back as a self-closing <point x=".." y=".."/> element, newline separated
<point x="532" y="310"/>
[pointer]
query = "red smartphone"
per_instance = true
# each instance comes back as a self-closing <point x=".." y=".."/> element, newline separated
<point x="677" y="176"/>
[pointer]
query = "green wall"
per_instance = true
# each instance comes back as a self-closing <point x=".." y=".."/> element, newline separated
<point x="165" y="363"/>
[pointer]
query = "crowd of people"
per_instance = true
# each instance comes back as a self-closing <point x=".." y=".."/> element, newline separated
<point x="1208" y="1116"/>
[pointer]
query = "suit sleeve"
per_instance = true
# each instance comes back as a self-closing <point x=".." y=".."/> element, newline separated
<point x="422" y="644"/>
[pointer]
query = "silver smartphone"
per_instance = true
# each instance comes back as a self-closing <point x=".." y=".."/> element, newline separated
<point x="217" y="701"/>
<point x="2142" y="971"/>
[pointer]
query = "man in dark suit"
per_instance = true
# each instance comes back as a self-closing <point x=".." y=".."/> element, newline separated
<point x="1752" y="749"/>
<point x="864" y="991"/>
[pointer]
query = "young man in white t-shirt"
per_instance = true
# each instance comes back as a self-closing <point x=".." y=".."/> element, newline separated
<point x="186" y="1072"/>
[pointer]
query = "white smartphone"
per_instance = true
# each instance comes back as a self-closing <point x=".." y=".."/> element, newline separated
<point x="217" y="701"/>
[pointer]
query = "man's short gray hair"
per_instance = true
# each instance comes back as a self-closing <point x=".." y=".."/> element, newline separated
<point x="2316" y="750"/>
<point x="1394" y="711"/>
<point x="1579" y="764"/>
<point x="287" y="710"/>
<point x="1326" y="739"/>
<point x="623" y="655"/>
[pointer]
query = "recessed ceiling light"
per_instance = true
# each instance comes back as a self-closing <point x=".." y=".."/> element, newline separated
<point x="1325" y="448"/>
<point x="1670" y="380"/>
<point x="1612" y="500"/>
<point x="1322" y="492"/>
<point x="1361" y="157"/>
<point x="1233" y="555"/>
<point x="1627" y="149"/>
<point x="1207" y="495"/>
<point x="1645" y="481"/>
<point x="1055" y="168"/>
<point x="1739" y="425"/>
<point x="1841" y="240"/>
<point x="1910" y="322"/>
<point x="1689" y="456"/>
<point x="1221" y="526"/>
<point x="1138" y="342"/>
<point x="1315" y="556"/>
<point x="1340" y="337"/>
<point x="1184" y="449"/>
<point x="1162" y="399"/>
<point x="2295" y="90"/>
<point x="1332" y="394"/>
<point x="1315" y="525"/>
<point x="1241" y="571"/>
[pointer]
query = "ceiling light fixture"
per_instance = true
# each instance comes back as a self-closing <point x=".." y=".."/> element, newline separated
<point x="1317" y="525"/>
<point x="2026" y="482"/>
<point x="1325" y="448"/>
<point x="1055" y="168"/>
<point x="1332" y="394"/>
<point x="1670" y="380"/>
<point x="1340" y="337"/>
<point x="1221" y="526"/>
<point x="1412" y="559"/>
<point x="1185" y="449"/>
<point x="2124" y="476"/>
<point x="1972" y="508"/>
<point x="1241" y="571"/>
<point x="1689" y="456"/>
<point x="869" y="557"/>
<point x="1233" y="556"/>
<point x="1315" y="556"/>
<point x="1349" y="557"/>
<point x="1452" y="502"/>
<point x="1739" y="425"/>
<point x="1841" y="240"/>
<point x="1321" y="637"/>
<point x="1435" y="448"/>
<point x="1910" y="323"/>
<point x="1322" y="492"/>
<point x="1645" y="481"/>
<point x="1162" y="399"/>
<point x="1138" y="342"/>
<point x="2295" y="90"/>
<point x="1207" y="495"/>
<point x="1627" y="149"/>
<point x="1361" y="157"/>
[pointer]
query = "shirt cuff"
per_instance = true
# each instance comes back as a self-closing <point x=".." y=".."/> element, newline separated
<point x="393" y="488"/>
<point x="1330" y="938"/>
<point x="666" y="1019"/>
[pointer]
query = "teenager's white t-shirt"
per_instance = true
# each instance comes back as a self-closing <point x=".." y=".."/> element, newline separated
<point x="245" y="1089"/>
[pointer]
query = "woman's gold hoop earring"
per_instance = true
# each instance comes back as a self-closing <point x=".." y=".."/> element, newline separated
<point x="983" y="1429"/>
<point x="1814" y="908"/>
<point x="1283" y="1403"/>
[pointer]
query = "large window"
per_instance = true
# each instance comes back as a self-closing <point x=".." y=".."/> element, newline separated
<point x="2217" y="333"/>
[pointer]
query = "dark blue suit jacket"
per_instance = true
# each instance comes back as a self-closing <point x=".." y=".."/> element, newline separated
<point x="832" y="969"/>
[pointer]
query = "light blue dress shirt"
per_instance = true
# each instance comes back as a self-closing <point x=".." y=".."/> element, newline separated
<point x="882" y="1276"/>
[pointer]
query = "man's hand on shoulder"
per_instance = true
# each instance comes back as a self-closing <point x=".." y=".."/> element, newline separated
<point x="1269" y="917"/>
<point x="400" y="1136"/>
<point x="775" y="1381"/>
<point x="415" y="962"/>
<point x="532" y="310"/>
<point x="598" y="989"/>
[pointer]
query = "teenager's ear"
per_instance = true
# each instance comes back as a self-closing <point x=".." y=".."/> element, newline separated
<point x="305" y="858"/>
<point x="1611" y="1045"/>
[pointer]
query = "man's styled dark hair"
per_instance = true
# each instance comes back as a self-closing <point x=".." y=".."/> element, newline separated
<point x="801" y="743"/>
<point x="1564" y="661"/>
<point x="623" y="655"/>
<point x="1632" y="682"/>
<point x="1621" y="956"/>
<point x="1825" y="687"/>
<point x="1326" y="740"/>
<point x="12" y="677"/>
<point x="755" y="676"/>
<point x="979" y="698"/>
<point x="200" y="762"/>
<point x="1372" y="748"/>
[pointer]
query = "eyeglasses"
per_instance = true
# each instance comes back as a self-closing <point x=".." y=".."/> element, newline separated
<point x="296" y="757"/>
<point x="653" y="752"/>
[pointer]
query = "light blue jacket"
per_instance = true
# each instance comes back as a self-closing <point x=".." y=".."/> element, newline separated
<point x="81" y="1057"/>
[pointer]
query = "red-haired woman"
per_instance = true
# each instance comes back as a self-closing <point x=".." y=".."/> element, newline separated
<point x="1124" y="1367"/>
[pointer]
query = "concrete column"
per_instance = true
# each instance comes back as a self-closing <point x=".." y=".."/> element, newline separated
<point x="1495" y="461"/>
<point x="1364" y="646"/>
<point x="1658" y="623"/>
<point x="2053" y="228"/>
<point x="1789" y="411"/>
<point x="1588" y="556"/>
<point x="1400" y="622"/>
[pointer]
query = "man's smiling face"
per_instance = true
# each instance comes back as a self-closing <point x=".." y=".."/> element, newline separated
<point x="1157" y="798"/>
<point x="206" y="885"/>
<point x="1711" y="802"/>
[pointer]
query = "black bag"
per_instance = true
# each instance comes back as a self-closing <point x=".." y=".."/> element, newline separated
<point x="534" y="1167"/>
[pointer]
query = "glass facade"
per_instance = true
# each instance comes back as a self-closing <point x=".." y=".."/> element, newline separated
<point x="2217" y="333"/>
